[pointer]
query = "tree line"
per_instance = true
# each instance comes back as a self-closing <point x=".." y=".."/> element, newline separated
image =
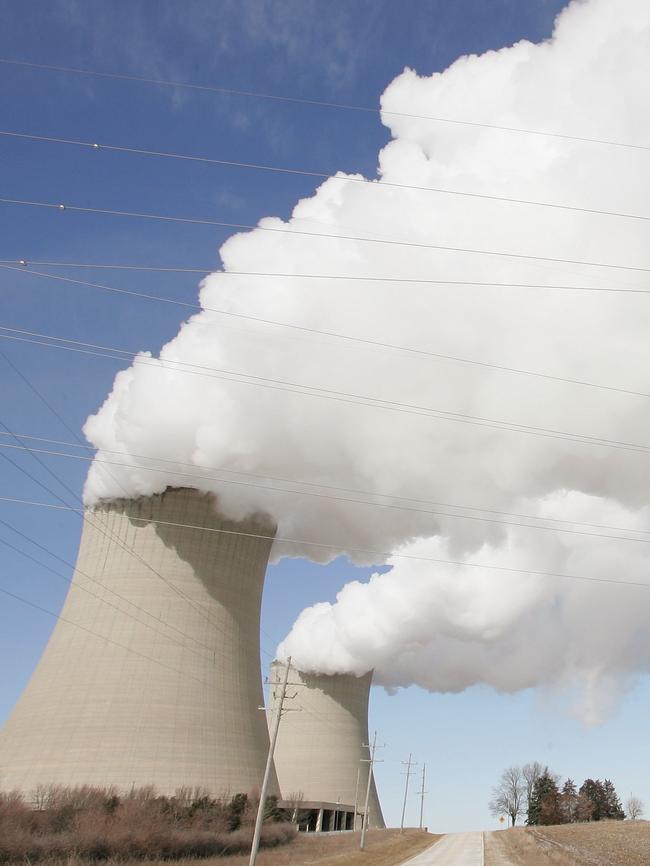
<point x="534" y="791"/>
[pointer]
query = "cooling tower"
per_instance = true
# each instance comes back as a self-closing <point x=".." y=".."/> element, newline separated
<point x="152" y="673"/>
<point x="321" y="751"/>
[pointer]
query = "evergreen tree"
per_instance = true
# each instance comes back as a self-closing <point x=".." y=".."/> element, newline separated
<point x="545" y="801"/>
<point x="612" y="807"/>
<point x="594" y="791"/>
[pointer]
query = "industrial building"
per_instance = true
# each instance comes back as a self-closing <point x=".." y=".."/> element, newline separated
<point x="152" y="673"/>
<point x="321" y="755"/>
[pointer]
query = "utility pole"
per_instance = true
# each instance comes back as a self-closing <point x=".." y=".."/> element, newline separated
<point x="356" y="799"/>
<point x="371" y="761"/>
<point x="408" y="764"/>
<point x="269" y="763"/>
<point x="422" y="793"/>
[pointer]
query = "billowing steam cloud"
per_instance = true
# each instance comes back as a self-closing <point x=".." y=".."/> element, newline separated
<point x="272" y="418"/>
<point x="447" y="627"/>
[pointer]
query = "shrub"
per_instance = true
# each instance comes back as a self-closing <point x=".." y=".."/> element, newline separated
<point x="95" y="824"/>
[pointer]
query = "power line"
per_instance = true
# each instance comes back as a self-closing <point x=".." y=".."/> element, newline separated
<point x="41" y="397"/>
<point x="322" y="103"/>
<point x="287" y="386"/>
<point x="323" y="235"/>
<point x="25" y="263"/>
<point x="27" y="381"/>
<point x="381" y="554"/>
<point x="103" y="586"/>
<point x="314" y="484"/>
<point x="58" y="616"/>
<point x="320" y="175"/>
<point x="363" y="341"/>
<point x="113" y="538"/>
<point x="319" y="495"/>
<point x="99" y="598"/>
<point x="106" y="532"/>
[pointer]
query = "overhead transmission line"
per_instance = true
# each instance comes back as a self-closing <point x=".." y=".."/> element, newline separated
<point x="91" y="631"/>
<point x="319" y="175"/>
<point x="297" y="100"/>
<point x="115" y="539"/>
<point x="350" y="338"/>
<point x="104" y="530"/>
<point x="291" y="231"/>
<point x="78" y="585"/>
<point x="25" y="265"/>
<point x="69" y="581"/>
<point x="318" y="484"/>
<point x="305" y="390"/>
<point x="202" y="476"/>
<point x="365" y="551"/>
<point x="66" y="506"/>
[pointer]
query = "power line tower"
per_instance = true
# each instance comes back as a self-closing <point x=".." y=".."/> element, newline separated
<point x="275" y="727"/>
<point x="408" y="764"/>
<point x="371" y="761"/>
<point x="422" y="792"/>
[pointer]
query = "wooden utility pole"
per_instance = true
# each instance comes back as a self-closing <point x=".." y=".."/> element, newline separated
<point x="422" y="793"/>
<point x="371" y="761"/>
<point x="269" y="764"/>
<point x="408" y="764"/>
<point x="356" y="799"/>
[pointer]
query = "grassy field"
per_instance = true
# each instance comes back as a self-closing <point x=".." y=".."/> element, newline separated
<point x="606" y="843"/>
<point x="383" y="848"/>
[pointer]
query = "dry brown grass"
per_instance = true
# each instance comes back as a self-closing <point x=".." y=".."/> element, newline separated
<point x="383" y="848"/>
<point x="605" y="843"/>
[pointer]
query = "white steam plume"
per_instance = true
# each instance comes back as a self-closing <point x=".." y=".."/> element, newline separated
<point x="446" y="627"/>
<point x="589" y="80"/>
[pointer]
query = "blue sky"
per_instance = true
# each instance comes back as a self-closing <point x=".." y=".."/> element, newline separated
<point x="337" y="51"/>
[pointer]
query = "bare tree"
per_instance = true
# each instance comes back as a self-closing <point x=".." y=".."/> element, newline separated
<point x="531" y="773"/>
<point x="634" y="808"/>
<point x="508" y="794"/>
<point x="294" y="802"/>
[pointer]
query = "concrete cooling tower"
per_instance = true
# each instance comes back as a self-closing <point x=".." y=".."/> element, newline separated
<point x="321" y="754"/>
<point x="152" y="673"/>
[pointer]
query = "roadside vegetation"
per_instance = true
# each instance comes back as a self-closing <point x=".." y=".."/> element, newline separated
<point x="94" y="824"/>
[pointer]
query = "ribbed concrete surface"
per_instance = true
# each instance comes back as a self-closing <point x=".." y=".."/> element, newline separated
<point x="455" y="849"/>
<point x="180" y="705"/>
<point x="320" y="746"/>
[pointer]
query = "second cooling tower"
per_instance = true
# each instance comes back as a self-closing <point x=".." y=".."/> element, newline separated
<point x="321" y="756"/>
<point x="152" y="674"/>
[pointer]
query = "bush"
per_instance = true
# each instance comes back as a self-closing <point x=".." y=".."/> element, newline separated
<point x="97" y="824"/>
